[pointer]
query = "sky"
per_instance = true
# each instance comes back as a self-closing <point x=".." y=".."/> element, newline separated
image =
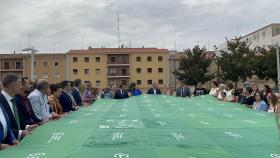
<point x="60" y="25"/>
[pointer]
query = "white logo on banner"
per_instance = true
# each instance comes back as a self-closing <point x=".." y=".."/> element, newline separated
<point x="104" y="126"/>
<point x="56" y="137"/>
<point x="162" y="123"/>
<point x="259" y="114"/>
<point x="250" y="122"/>
<point x="121" y="155"/>
<point x="88" y="114"/>
<point x="228" y="115"/>
<point x="118" y="135"/>
<point x="210" y="109"/>
<point x="108" y="121"/>
<point x="36" y="155"/>
<point x="157" y="115"/>
<point x="122" y="115"/>
<point x="234" y="135"/>
<point x="178" y="136"/>
<point x="204" y="122"/>
<point x="275" y="155"/>
<point x="149" y="105"/>
<point x="73" y="121"/>
<point x="123" y="123"/>
<point x="152" y="109"/>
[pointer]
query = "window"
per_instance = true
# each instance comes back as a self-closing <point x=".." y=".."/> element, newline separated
<point x="263" y="34"/>
<point x="113" y="59"/>
<point x="159" y="58"/>
<point x="45" y="75"/>
<point x="97" y="59"/>
<point x="56" y="64"/>
<point x="160" y="70"/>
<point x="150" y="81"/>
<point x="138" y="59"/>
<point x="124" y="82"/>
<point x="138" y="81"/>
<point x="86" y="71"/>
<point x="45" y="63"/>
<point x="113" y="71"/>
<point x="149" y="58"/>
<point x="124" y="72"/>
<point x="277" y="30"/>
<point x="18" y="65"/>
<point x="98" y="83"/>
<point x="149" y="70"/>
<point x="34" y="75"/>
<point x="75" y="59"/>
<point x="97" y="71"/>
<point x="138" y="70"/>
<point x="57" y="75"/>
<point x="160" y="81"/>
<point x="75" y="71"/>
<point x="86" y="59"/>
<point x="6" y="65"/>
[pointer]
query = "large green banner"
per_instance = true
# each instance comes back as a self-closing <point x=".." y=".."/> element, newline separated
<point x="152" y="126"/>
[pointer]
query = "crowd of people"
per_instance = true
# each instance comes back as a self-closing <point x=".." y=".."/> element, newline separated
<point x="25" y="105"/>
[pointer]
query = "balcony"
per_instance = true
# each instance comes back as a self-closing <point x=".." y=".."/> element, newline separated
<point x="118" y="60"/>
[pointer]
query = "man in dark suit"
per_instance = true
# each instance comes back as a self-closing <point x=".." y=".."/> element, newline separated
<point x="154" y="90"/>
<point x="28" y="116"/>
<point x="7" y="137"/>
<point x="11" y="85"/>
<point x="76" y="92"/>
<point x="121" y="94"/>
<point x="64" y="99"/>
<point x="183" y="90"/>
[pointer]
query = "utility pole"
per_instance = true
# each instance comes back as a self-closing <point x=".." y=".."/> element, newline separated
<point x="119" y="38"/>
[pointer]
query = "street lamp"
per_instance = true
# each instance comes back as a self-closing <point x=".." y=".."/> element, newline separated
<point x="33" y="51"/>
<point x="276" y="46"/>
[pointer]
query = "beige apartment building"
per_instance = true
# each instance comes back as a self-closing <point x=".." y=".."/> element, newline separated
<point x="114" y="66"/>
<point x="48" y="66"/>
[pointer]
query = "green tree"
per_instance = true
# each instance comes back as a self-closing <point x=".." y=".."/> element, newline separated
<point x="265" y="64"/>
<point x="194" y="66"/>
<point x="236" y="63"/>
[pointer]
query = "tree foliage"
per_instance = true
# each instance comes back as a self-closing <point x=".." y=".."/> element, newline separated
<point x="194" y="67"/>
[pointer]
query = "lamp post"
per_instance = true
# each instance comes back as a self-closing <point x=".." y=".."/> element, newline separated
<point x="278" y="65"/>
<point x="33" y="51"/>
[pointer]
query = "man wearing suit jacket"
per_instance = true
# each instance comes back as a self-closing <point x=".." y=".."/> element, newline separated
<point x="11" y="85"/>
<point x="154" y="90"/>
<point x="64" y="99"/>
<point x="7" y="136"/>
<point x="121" y="94"/>
<point x="24" y="106"/>
<point x="183" y="90"/>
<point x="76" y="92"/>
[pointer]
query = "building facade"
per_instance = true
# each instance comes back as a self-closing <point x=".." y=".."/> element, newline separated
<point x="114" y="66"/>
<point x="48" y="66"/>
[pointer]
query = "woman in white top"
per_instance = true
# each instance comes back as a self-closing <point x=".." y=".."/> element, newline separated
<point x="230" y="90"/>
<point x="273" y="102"/>
<point x="215" y="90"/>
